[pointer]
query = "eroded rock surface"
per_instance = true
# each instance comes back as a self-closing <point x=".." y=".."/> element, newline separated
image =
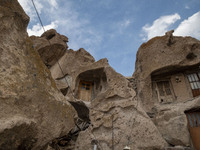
<point x="164" y="72"/>
<point x="72" y="64"/>
<point x="145" y="112"/>
<point x="172" y="122"/>
<point x="112" y="101"/>
<point x="156" y="57"/>
<point x="51" y="46"/>
<point x="117" y="111"/>
<point x="32" y="110"/>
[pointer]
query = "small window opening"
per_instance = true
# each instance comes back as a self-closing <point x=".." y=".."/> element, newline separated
<point x="198" y="118"/>
<point x="190" y="120"/>
<point x="194" y="80"/>
<point x="195" y="120"/>
<point x="164" y="92"/>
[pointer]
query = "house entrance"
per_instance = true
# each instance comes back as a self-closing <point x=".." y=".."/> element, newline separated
<point x="85" y="90"/>
<point x="193" y="118"/>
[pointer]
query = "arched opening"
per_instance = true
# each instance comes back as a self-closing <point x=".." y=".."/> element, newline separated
<point x="90" y="83"/>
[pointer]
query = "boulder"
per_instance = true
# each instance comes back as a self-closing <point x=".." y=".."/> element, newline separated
<point x="51" y="46"/>
<point x="32" y="111"/>
<point x="163" y="69"/>
<point x="118" y="119"/>
<point x="114" y="108"/>
<point x="172" y="122"/>
<point x="160" y="56"/>
<point x="69" y="66"/>
<point x="71" y="62"/>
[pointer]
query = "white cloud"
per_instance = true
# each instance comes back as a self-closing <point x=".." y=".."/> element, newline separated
<point x="159" y="26"/>
<point x="126" y="23"/>
<point x="53" y="3"/>
<point x="187" y="7"/>
<point x="40" y="5"/>
<point x="66" y="20"/>
<point x="189" y="27"/>
<point x="79" y="30"/>
<point x="27" y="6"/>
<point x="37" y="29"/>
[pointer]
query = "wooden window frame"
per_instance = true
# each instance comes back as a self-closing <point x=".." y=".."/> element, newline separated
<point x="164" y="90"/>
<point x="194" y="81"/>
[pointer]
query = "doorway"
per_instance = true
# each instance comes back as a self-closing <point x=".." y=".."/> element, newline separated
<point x="193" y="118"/>
<point x="85" y="90"/>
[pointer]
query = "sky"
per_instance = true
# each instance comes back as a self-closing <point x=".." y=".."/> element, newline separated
<point x="114" y="29"/>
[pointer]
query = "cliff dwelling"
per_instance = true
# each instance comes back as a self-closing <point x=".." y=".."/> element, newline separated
<point x="176" y="84"/>
<point x="90" y="83"/>
<point x="70" y="101"/>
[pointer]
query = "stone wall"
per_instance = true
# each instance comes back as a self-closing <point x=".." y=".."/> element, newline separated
<point x="33" y="111"/>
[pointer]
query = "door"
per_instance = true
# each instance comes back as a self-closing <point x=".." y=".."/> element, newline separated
<point x="85" y="90"/>
<point x="194" y="128"/>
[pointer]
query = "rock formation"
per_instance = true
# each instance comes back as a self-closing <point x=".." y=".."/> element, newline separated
<point x="32" y="110"/>
<point x="77" y="103"/>
<point x="172" y="122"/>
<point x="155" y="58"/>
<point x="51" y="46"/>
<point x="164" y="72"/>
<point x="113" y="105"/>
<point x="116" y="115"/>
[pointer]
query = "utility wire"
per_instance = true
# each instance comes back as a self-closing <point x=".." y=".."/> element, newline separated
<point x="60" y="65"/>
<point x="51" y="47"/>
<point x="38" y="15"/>
<point x="112" y="116"/>
<point x="134" y="119"/>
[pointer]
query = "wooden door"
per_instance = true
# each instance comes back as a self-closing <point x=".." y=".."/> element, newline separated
<point x="85" y="90"/>
<point x="194" y="128"/>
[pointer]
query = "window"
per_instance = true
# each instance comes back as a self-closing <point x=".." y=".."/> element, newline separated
<point x="164" y="88"/>
<point x="190" y="120"/>
<point x="164" y="91"/>
<point x="194" y="80"/>
<point x="194" y="119"/>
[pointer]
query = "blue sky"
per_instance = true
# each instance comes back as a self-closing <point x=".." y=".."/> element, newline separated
<point x="114" y="28"/>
